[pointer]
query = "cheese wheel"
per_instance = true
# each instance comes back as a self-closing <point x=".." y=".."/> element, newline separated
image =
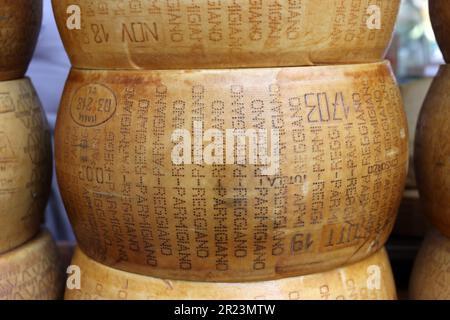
<point x="192" y="34"/>
<point x="440" y="18"/>
<point x="32" y="271"/>
<point x="370" y="279"/>
<point x="432" y="152"/>
<point x="232" y="175"/>
<point x="25" y="163"/>
<point x="20" y="23"/>
<point x="430" y="279"/>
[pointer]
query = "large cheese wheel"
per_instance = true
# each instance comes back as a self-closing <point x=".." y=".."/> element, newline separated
<point x="432" y="152"/>
<point x="440" y="18"/>
<point x="430" y="279"/>
<point x="370" y="279"/>
<point x="32" y="271"/>
<point x="187" y="34"/>
<point x="20" y="23"/>
<point x="25" y="163"/>
<point x="159" y="175"/>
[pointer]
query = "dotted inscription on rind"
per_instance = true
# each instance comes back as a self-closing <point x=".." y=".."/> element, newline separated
<point x="342" y="166"/>
<point x="31" y="272"/>
<point x="25" y="163"/>
<point x="93" y="105"/>
<point x="188" y="34"/>
<point x="352" y="282"/>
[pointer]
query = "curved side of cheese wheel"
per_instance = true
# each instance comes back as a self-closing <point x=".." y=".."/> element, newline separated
<point x="323" y="192"/>
<point x="370" y="279"/>
<point x="432" y="152"/>
<point x="430" y="279"/>
<point x="218" y="34"/>
<point x="20" y="24"/>
<point x="440" y="18"/>
<point x="32" y="271"/>
<point x="25" y="163"/>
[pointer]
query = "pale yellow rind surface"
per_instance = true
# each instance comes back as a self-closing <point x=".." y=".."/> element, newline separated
<point x="343" y="152"/>
<point x="25" y="163"/>
<point x="192" y="34"/>
<point x="370" y="279"/>
<point x="32" y="271"/>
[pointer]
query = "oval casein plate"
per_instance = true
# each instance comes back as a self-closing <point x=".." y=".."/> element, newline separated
<point x="93" y="105"/>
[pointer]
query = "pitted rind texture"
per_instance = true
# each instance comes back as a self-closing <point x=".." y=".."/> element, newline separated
<point x="20" y="23"/>
<point x="432" y="152"/>
<point x="25" y="163"/>
<point x="370" y="279"/>
<point x="440" y="18"/>
<point x="430" y="279"/>
<point x="343" y="153"/>
<point x="32" y="271"/>
<point x="196" y="34"/>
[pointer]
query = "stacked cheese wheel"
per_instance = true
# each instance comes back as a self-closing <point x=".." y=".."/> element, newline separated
<point x="19" y="29"/>
<point x="28" y="265"/>
<point x="275" y="175"/>
<point x="431" y="277"/>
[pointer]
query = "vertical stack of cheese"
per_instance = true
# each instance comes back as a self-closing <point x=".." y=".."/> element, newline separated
<point x="230" y="149"/>
<point x="431" y="274"/>
<point x="29" y="267"/>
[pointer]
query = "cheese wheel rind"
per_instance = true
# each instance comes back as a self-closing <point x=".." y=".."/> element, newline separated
<point x="331" y="199"/>
<point x="432" y="152"/>
<point x="430" y="278"/>
<point x="370" y="279"/>
<point x="25" y="163"/>
<point x="32" y="271"/>
<point x="20" y="24"/>
<point x="218" y="34"/>
<point x="440" y="19"/>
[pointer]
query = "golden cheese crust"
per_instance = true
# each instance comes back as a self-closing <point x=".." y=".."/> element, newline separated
<point x="20" y="23"/>
<point x="158" y="174"/>
<point x="370" y="279"/>
<point x="25" y="163"/>
<point x="198" y="34"/>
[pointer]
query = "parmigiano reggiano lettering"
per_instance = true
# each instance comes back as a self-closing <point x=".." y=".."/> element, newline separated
<point x="195" y="34"/>
<point x="232" y="175"/>
<point x="25" y="163"/>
